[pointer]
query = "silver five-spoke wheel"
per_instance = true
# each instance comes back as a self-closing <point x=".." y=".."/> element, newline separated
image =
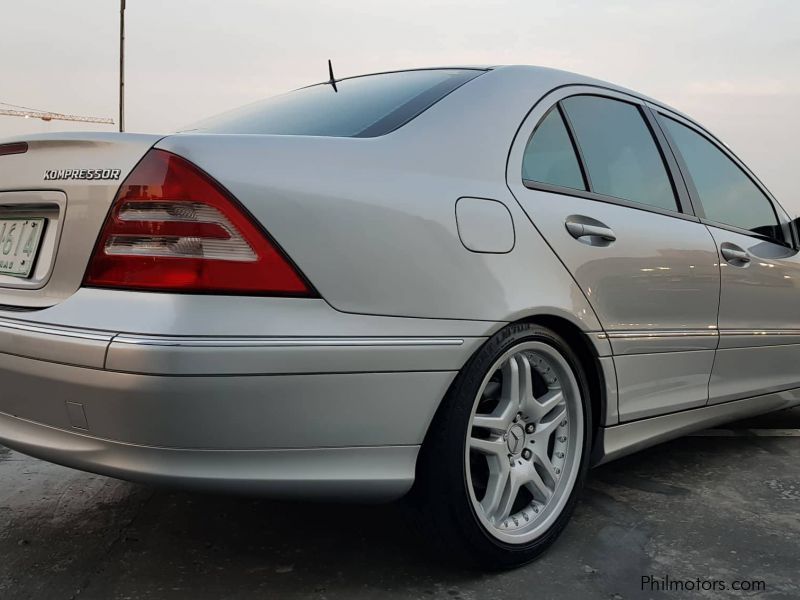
<point x="525" y="442"/>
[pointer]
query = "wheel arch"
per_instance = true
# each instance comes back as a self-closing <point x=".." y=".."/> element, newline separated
<point x="579" y="342"/>
<point x="440" y="470"/>
<point x="586" y="352"/>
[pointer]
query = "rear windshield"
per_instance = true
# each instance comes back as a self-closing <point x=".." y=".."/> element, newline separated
<point x="366" y="106"/>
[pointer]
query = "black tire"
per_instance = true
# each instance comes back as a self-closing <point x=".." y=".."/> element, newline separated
<point x="441" y="498"/>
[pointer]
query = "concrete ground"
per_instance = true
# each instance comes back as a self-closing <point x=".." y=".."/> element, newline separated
<point x="722" y="506"/>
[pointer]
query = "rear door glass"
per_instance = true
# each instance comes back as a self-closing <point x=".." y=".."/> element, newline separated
<point x="550" y="156"/>
<point x="620" y="152"/>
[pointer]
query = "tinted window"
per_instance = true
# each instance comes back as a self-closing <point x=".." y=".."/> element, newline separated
<point x="550" y="157"/>
<point x="621" y="156"/>
<point x="366" y="106"/>
<point x="726" y="193"/>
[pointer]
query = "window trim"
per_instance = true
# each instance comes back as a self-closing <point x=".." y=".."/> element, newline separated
<point x="661" y="114"/>
<point x="748" y="232"/>
<point x="684" y="206"/>
<point x="573" y="143"/>
<point x="565" y="191"/>
<point x="683" y="191"/>
<point x="576" y="146"/>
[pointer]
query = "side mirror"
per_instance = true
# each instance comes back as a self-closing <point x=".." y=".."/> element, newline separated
<point x="794" y="226"/>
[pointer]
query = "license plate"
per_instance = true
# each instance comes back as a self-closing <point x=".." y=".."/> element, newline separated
<point x="19" y="243"/>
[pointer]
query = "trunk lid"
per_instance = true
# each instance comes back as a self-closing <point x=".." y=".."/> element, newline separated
<point x="64" y="185"/>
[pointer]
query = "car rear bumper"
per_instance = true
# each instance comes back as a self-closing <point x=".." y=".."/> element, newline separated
<point x="374" y="472"/>
<point x="325" y="415"/>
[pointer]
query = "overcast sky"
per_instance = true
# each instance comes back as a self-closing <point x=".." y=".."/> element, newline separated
<point x="733" y="65"/>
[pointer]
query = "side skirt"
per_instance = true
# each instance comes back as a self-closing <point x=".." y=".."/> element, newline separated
<point x="620" y="440"/>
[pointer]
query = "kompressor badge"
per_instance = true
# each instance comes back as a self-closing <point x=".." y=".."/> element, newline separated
<point x="82" y="175"/>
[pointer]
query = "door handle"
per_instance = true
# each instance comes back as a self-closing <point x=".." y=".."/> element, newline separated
<point x="593" y="229"/>
<point x="734" y="254"/>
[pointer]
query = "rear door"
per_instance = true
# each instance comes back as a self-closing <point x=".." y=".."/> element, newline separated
<point x="588" y="169"/>
<point x="759" y="317"/>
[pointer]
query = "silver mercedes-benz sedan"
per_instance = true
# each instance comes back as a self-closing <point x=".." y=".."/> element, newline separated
<point x="470" y="284"/>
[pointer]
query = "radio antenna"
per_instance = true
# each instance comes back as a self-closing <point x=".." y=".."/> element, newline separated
<point x="332" y="79"/>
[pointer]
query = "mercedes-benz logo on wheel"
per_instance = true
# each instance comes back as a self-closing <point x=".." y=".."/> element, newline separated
<point x="515" y="439"/>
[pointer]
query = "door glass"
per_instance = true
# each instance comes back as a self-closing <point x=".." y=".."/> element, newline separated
<point x="550" y="157"/>
<point x="726" y="193"/>
<point x="620" y="152"/>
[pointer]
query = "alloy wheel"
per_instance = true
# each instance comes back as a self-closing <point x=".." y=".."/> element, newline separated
<point x="524" y="443"/>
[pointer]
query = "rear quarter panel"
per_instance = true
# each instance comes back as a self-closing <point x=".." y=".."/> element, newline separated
<point x="371" y="222"/>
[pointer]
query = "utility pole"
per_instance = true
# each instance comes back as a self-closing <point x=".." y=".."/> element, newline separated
<point x="122" y="65"/>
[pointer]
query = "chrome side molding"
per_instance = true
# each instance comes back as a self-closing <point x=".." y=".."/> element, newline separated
<point x="655" y="341"/>
<point x="760" y="332"/>
<point x="623" y="335"/>
<point x="222" y="342"/>
<point x="86" y="334"/>
<point x="646" y="333"/>
<point x="281" y="342"/>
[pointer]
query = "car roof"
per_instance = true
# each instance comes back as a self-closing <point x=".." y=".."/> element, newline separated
<point x="558" y="76"/>
<point x="562" y="77"/>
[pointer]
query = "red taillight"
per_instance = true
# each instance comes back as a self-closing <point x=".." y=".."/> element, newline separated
<point x="173" y="228"/>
